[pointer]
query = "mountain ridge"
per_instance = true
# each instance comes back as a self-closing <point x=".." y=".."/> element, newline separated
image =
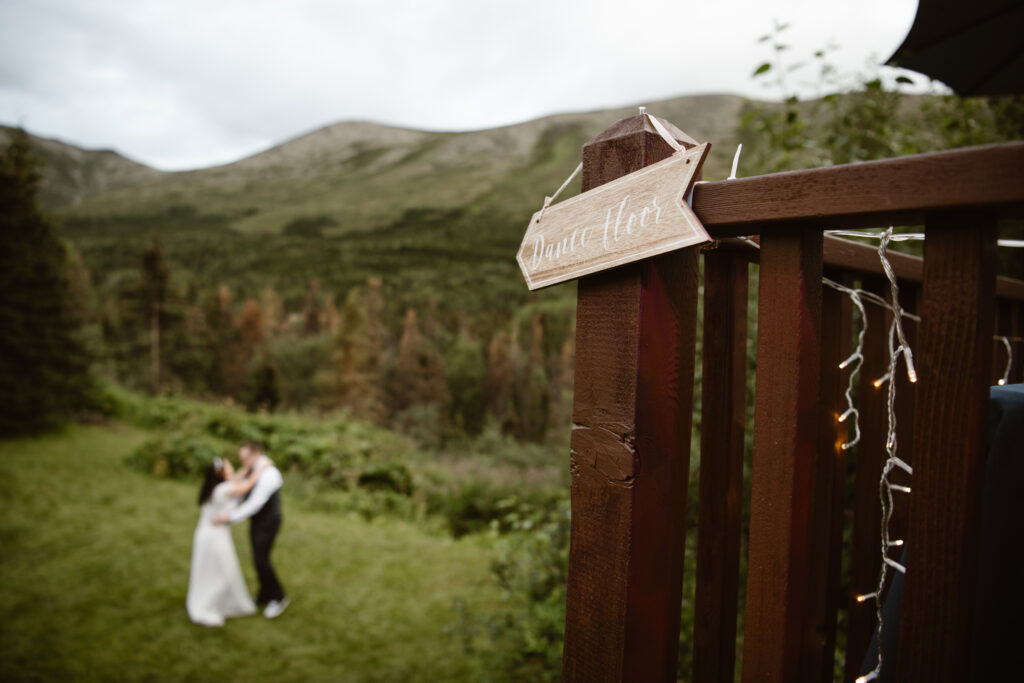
<point x="328" y="171"/>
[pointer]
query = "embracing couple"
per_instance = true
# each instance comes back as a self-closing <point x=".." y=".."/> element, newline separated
<point x="216" y="587"/>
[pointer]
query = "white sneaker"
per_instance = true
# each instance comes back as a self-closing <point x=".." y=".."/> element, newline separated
<point x="275" y="607"/>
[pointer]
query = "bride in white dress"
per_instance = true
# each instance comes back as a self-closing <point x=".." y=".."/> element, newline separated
<point x="216" y="587"/>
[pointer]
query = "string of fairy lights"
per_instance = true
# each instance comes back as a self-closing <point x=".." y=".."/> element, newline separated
<point x="898" y="349"/>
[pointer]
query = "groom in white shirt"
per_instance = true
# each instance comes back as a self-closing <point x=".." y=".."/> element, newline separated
<point x="263" y="505"/>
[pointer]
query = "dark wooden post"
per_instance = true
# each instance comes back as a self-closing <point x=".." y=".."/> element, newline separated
<point x="954" y="361"/>
<point x="635" y="347"/>
<point x="723" y="412"/>
<point x="786" y="421"/>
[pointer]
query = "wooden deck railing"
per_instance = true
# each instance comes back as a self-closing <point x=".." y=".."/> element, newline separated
<point x="635" y="366"/>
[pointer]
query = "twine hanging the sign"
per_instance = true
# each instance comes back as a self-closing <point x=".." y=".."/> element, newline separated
<point x="665" y="135"/>
<point x="658" y="126"/>
<point x="548" y="200"/>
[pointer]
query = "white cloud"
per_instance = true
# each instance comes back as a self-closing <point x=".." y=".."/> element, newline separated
<point x="191" y="83"/>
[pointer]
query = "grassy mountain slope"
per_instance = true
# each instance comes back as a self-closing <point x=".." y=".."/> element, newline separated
<point x="72" y="174"/>
<point x="362" y="175"/>
<point x="439" y="215"/>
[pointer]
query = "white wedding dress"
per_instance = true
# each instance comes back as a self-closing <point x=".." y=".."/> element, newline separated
<point x="216" y="587"/>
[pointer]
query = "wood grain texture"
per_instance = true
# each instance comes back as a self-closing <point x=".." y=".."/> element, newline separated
<point x="785" y="441"/>
<point x="869" y="457"/>
<point x="635" y="344"/>
<point x="898" y="191"/>
<point x="828" y="489"/>
<point x="955" y="356"/>
<point x="723" y="408"/>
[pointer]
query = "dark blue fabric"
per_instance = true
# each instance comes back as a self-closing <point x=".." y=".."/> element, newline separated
<point x="998" y="628"/>
<point x="999" y="603"/>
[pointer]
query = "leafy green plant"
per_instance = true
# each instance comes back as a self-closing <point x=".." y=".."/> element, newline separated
<point x="177" y="454"/>
<point x="524" y="640"/>
<point x="858" y="117"/>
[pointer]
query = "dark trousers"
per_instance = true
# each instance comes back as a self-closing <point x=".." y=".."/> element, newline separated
<point x="262" y="533"/>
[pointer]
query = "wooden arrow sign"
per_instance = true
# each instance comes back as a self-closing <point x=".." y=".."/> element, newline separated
<point x="634" y="217"/>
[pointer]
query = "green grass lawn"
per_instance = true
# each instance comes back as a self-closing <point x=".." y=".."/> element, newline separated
<point x="94" y="561"/>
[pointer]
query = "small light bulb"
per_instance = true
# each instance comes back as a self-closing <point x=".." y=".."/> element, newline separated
<point x="1002" y="382"/>
<point x="853" y="357"/>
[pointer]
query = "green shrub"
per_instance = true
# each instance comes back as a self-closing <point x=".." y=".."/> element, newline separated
<point x="386" y="477"/>
<point x="463" y="491"/>
<point x="523" y="641"/>
<point x="177" y="454"/>
<point x="309" y="226"/>
<point x="423" y="422"/>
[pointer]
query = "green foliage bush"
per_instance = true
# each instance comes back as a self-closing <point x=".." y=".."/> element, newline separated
<point x="386" y="477"/>
<point x="331" y="449"/>
<point x="177" y="454"/>
<point x="523" y="641"/>
<point x="423" y="422"/>
<point x="379" y="471"/>
<point x="466" y="372"/>
<point x="308" y="226"/>
<point x="858" y="117"/>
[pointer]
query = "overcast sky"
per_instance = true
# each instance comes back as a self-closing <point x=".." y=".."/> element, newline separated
<point x="182" y="84"/>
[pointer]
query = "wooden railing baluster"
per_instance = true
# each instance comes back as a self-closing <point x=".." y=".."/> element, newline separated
<point x="723" y="413"/>
<point x="829" y="487"/>
<point x="954" y="361"/>
<point x="785" y="440"/>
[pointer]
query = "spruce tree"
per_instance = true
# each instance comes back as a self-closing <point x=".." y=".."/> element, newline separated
<point x="155" y="276"/>
<point x="44" y="364"/>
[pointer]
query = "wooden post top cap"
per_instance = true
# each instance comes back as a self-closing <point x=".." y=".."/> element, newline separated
<point x="640" y="124"/>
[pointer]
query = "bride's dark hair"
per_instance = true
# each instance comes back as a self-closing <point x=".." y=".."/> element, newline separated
<point x="214" y="476"/>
